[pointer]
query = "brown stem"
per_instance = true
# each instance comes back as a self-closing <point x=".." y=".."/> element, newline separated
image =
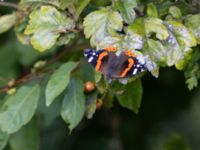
<point x="7" y="4"/>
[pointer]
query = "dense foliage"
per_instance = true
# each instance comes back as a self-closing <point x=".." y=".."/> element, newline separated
<point x="43" y="73"/>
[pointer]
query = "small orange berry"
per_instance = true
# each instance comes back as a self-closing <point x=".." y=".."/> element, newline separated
<point x="99" y="104"/>
<point x="89" y="86"/>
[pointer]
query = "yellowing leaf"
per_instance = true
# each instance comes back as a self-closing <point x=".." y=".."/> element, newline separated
<point x="7" y="21"/>
<point x="126" y="8"/>
<point x="74" y="6"/>
<point x="100" y="24"/>
<point x="175" y="12"/>
<point x="46" y="24"/>
<point x="183" y="35"/>
<point x="192" y="22"/>
<point x="155" y="25"/>
<point x="152" y="10"/>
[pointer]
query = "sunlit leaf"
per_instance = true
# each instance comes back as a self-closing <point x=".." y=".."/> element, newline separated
<point x="152" y="10"/>
<point x="184" y="36"/>
<point x="7" y="21"/>
<point x="46" y="24"/>
<point x="175" y="12"/>
<point x="155" y="25"/>
<point x="73" y="107"/>
<point x="58" y="81"/>
<point x="18" y="109"/>
<point x="192" y="22"/>
<point x="132" y="41"/>
<point x="26" y="137"/>
<point x="131" y="96"/>
<point x="138" y="27"/>
<point x="126" y="8"/>
<point x="101" y="23"/>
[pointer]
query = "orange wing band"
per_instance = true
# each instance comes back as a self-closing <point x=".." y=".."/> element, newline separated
<point x="99" y="60"/>
<point x="111" y="48"/>
<point x="129" y="53"/>
<point x="130" y="64"/>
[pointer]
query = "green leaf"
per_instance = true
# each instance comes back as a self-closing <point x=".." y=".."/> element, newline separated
<point x="156" y="51"/>
<point x="73" y="107"/>
<point x="74" y="6"/>
<point x="26" y="137"/>
<point x="152" y="10"/>
<point x="3" y="139"/>
<point x="192" y="22"/>
<point x="18" y="109"/>
<point x="39" y="38"/>
<point x="132" y="41"/>
<point x="48" y="114"/>
<point x="46" y="24"/>
<point x="7" y="21"/>
<point x="53" y="2"/>
<point x="126" y="8"/>
<point x="192" y="82"/>
<point x="176" y="142"/>
<point x="58" y="81"/>
<point x="192" y="70"/>
<point x="131" y="96"/>
<point x="175" y="12"/>
<point x="138" y="27"/>
<point x="100" y="24"/>
<point x="175" y="50"/>
<point x="80" y="5"/>
<point x="91" y="105"/>
<point x="183" y="35"/>
<point x="155" y="25"/>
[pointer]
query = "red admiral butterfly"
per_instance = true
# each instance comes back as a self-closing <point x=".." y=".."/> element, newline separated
<point x="126" y="65"/>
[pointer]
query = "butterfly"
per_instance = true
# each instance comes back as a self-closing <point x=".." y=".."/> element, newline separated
<point x="125" y="65"/>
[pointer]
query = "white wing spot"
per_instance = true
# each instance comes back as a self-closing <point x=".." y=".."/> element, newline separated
<point x="90" y="59"/>
<point x="135" y="71"/>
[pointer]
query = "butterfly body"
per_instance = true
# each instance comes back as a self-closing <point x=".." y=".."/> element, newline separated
<point x="113" y="66"/>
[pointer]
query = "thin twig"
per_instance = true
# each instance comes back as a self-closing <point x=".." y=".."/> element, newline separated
<point x="7" y="4"/>
<point x="31" y="76"/>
